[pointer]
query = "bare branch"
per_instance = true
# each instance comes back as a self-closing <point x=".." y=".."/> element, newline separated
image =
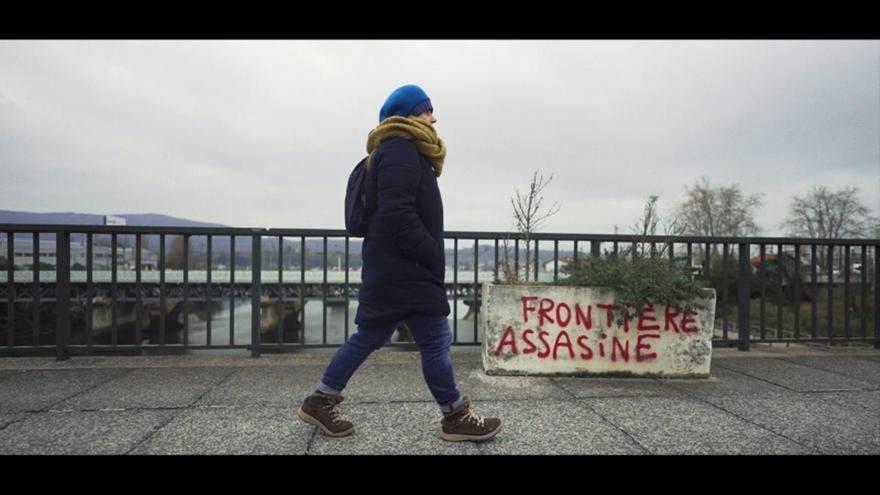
<point x="826" y="214"/>
<point x="647" y="226"/>
<point x="528" y="214"/>
<point x="718" y="211"/>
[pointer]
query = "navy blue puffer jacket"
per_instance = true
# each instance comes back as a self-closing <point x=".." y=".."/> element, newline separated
<point x="404" y="261"/>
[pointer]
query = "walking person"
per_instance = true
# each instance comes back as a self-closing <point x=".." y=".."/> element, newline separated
<point x="403" y="271"/>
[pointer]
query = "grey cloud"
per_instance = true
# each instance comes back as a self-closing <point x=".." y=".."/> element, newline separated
<point x="265" y="132"/>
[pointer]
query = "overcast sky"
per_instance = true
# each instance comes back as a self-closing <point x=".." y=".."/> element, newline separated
<point x="265" y="133"/>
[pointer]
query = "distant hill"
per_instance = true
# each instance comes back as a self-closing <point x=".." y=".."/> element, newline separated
<point x="155" y="220"/>
<point x="198" y="244"/>
<point x="72" y="218"/>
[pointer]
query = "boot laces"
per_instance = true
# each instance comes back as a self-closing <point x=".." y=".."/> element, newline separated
<point x="331" y="406"/>
<point x="473" y="417"/>
<point x="333" y="411"/>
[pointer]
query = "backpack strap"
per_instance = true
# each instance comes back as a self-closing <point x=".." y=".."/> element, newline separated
<point x="369" y="160"/>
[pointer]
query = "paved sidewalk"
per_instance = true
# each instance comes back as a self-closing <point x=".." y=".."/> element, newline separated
<point x="772" y="400"/>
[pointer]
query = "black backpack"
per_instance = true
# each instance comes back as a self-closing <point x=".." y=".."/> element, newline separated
<point x="357" y="218"/>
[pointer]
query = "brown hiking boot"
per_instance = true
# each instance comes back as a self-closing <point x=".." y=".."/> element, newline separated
<point x="465" y="424"/>
<point x="319" y="409"/>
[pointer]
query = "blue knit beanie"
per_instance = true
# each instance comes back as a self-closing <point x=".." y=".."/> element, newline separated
<point x="405" y="101"/>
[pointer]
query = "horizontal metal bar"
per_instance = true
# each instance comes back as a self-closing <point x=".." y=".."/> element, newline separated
<point x="562" y="236"/>
<point x="800" y="340"/>
<point x="263" y="346"/>
<point x="630" y="237"/>
<point x="124" y="229"/>
<point x="391" y="345"/>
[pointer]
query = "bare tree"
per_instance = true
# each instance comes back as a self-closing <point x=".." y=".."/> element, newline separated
<point x="826" y="214"/>
<point x="528" y="217"/>
<point x="647" y="223"/>
<point x="647" y="226"/>
<point x="718" y="211"/>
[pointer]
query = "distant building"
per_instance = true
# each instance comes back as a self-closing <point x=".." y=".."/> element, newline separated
<point x="111" y="220"/>
<point x="23" y="255"/>
<point x="563" y="261"/>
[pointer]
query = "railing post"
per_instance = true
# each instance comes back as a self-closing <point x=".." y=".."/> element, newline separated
<point x="62" y="294"/>
<point x="10" y="289"/>
<point x="877" y="297"/>
<point x="256" y="291"/>
<point x="744" y="327"/>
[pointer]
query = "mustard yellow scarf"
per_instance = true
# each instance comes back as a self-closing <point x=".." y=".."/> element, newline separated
<point x="423" y="135"/>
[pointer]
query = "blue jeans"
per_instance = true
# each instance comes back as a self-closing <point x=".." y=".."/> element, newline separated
<point x="432" y="335"/>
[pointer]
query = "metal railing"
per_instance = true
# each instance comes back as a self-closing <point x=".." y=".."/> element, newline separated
<point x="278" y="318"/>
